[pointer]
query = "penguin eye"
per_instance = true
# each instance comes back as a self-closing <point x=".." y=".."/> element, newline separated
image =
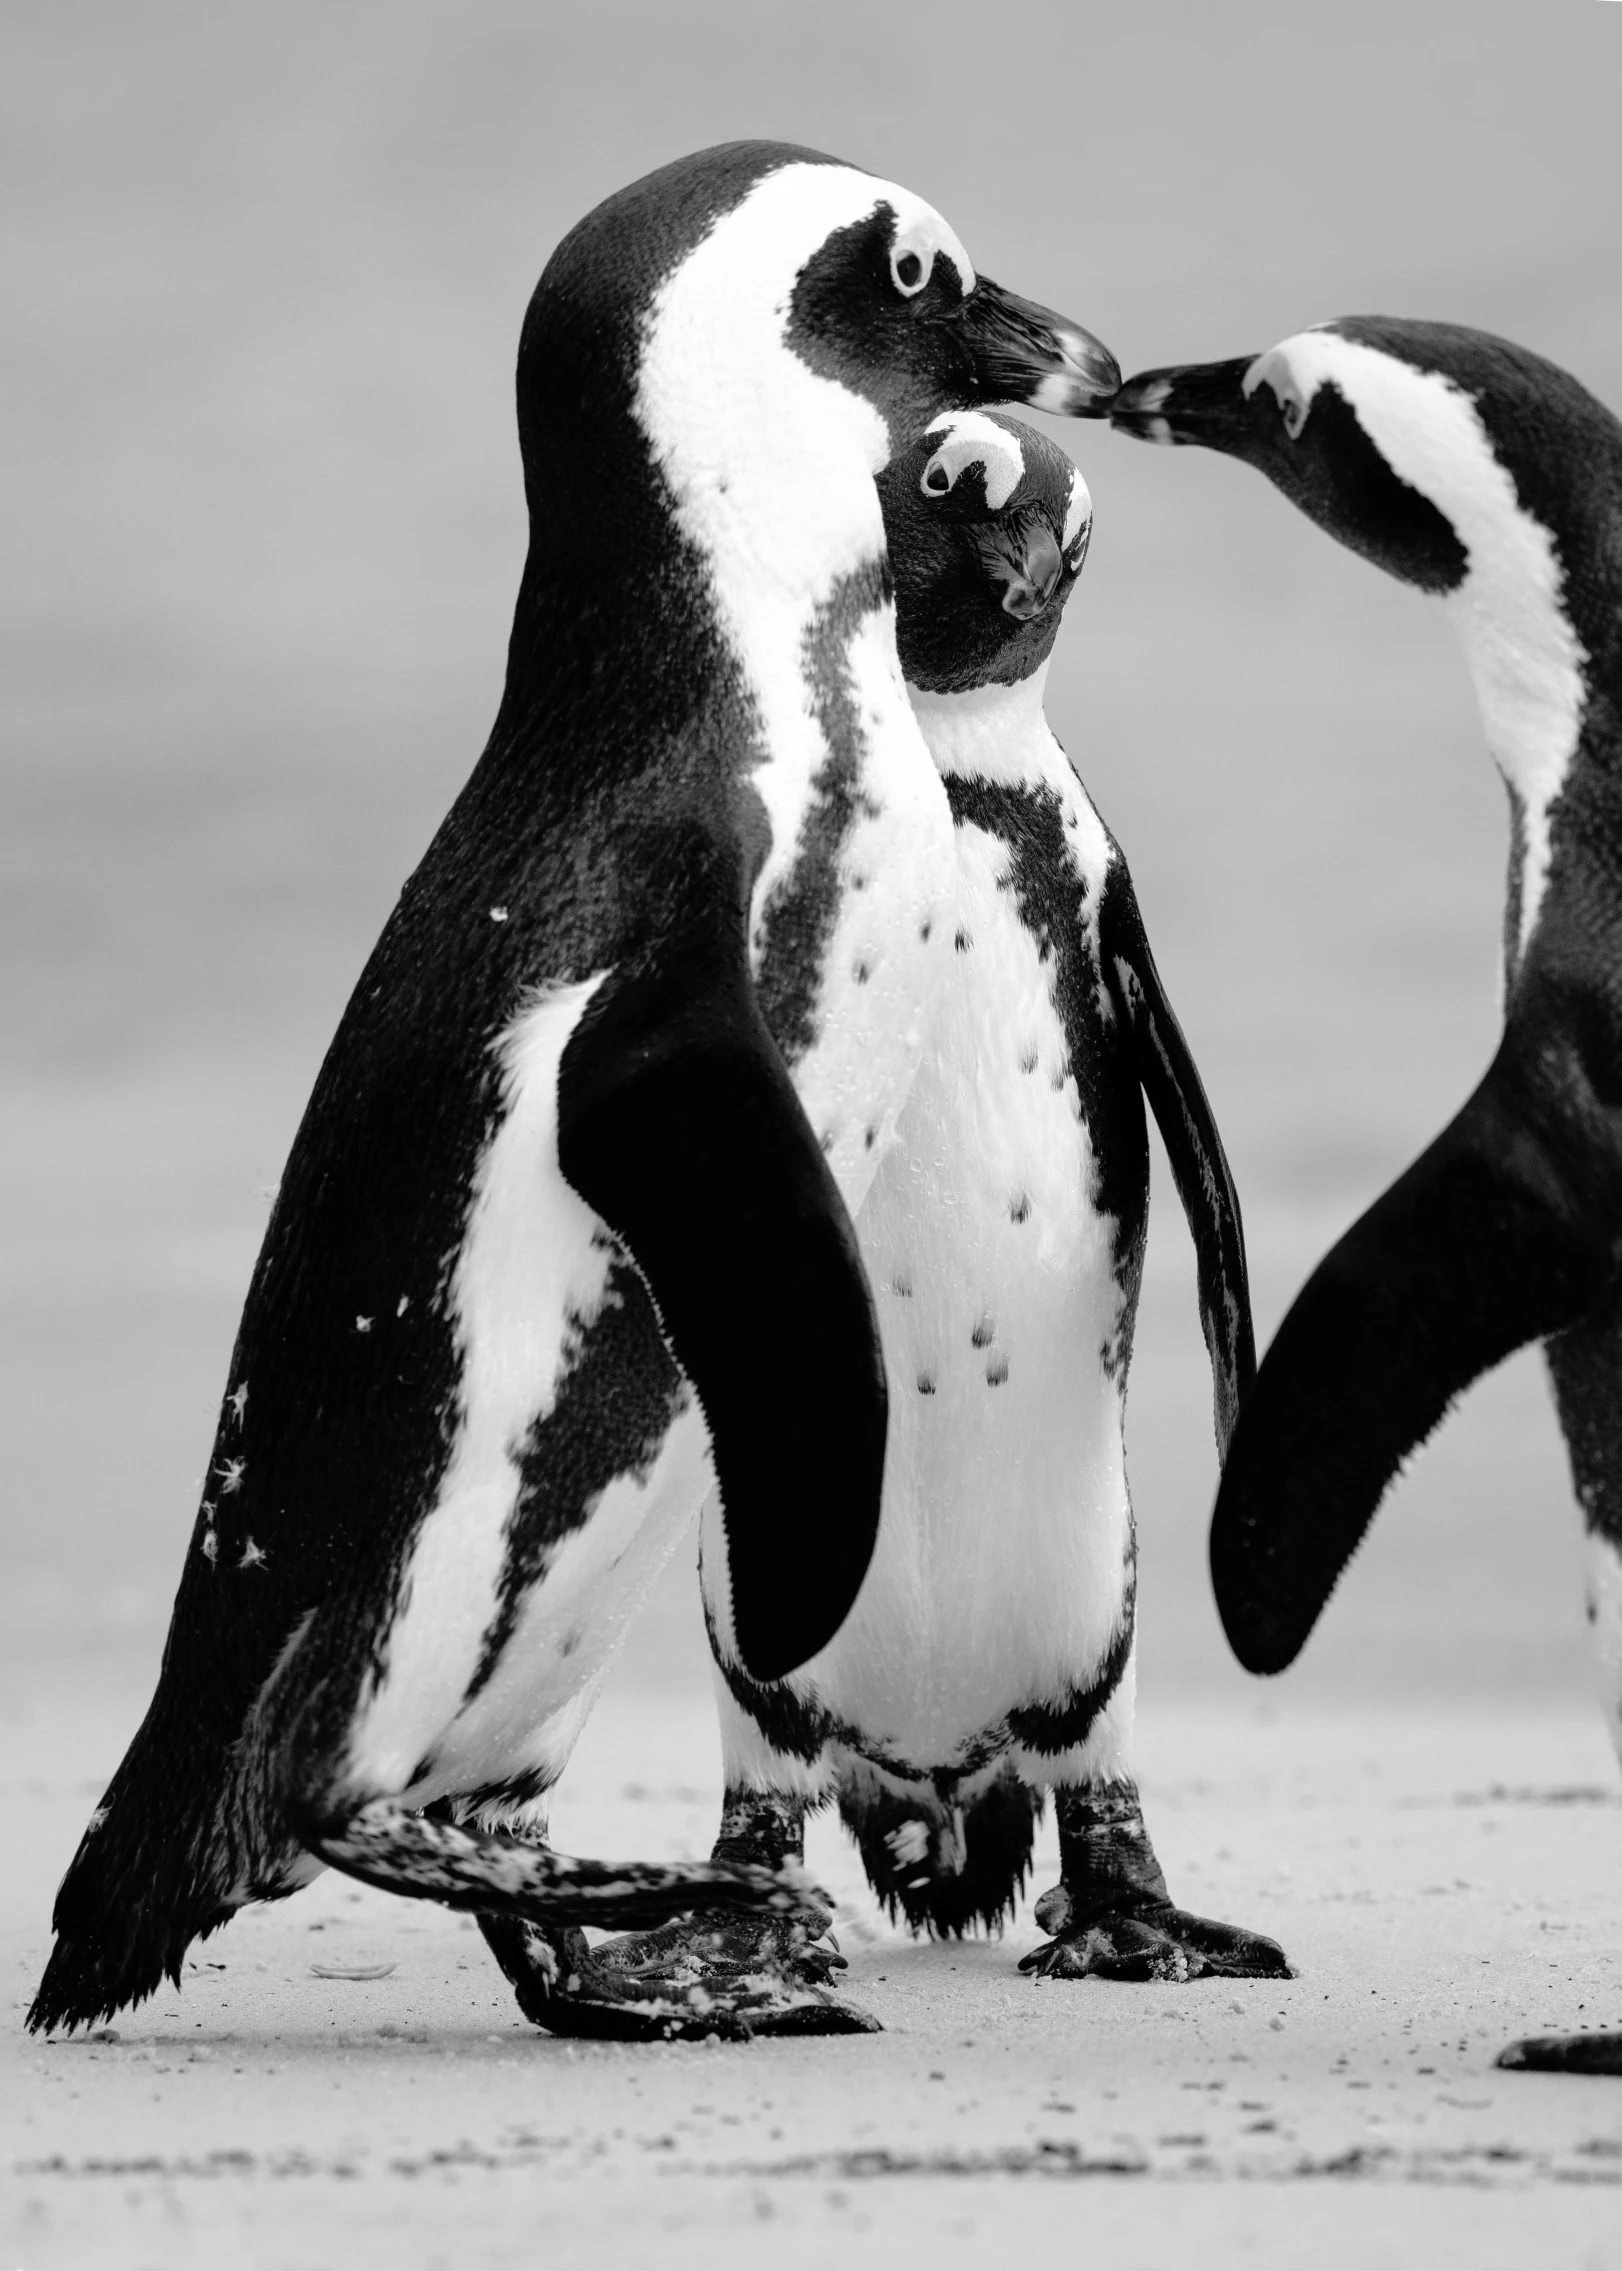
<point x="911" y="261"/>
<point x="938" y="477"/>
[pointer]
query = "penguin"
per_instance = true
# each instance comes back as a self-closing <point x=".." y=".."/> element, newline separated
<point x="1472" y="469"/>
<point x="565" y="1234"/>
<point x="991" y="1653"/>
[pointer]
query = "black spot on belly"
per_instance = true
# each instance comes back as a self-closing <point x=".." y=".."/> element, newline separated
<point x="1027" y="1060"/>
<point x="963" y="942"/>
<point x="871" y="1138"/>
<point x="996" y="1372"/>
<point x="862" y="972"/>
<point x="924" y="930"/>
<point x="926" y="1383"/>
<point x="1019" y="1207"/>
<point x="1056" y="904"/>
<point x="901" y="1286"/>
<point x="984" y="1333"/>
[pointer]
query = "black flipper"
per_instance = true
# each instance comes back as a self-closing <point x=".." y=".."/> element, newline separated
<point x="1490" y="1240"/>
<point x="1199" y="1164"/>
<point x="678" y="1123"/>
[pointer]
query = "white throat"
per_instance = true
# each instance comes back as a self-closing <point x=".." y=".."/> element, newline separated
<point x="994" y="733"/>
<point x="1525" y="659"/>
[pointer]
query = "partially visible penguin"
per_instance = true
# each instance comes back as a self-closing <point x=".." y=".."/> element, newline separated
<point x="1473" y="469"/>
<point x="564" y="1235"/>
<point x="990" y="1656"/>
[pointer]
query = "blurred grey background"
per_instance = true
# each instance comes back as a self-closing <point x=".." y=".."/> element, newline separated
<point x="262" y="527"/>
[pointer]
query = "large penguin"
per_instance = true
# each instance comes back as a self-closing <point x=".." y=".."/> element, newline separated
<point x="1475" y="470"/>
<point x="565" y="1233"/>
<point x="990" y="1656"/>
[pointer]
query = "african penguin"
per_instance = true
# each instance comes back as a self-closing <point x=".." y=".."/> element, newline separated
<point x="990" y="1655"/>
<point x="564" y="1237"/>
<point x="1473" y="469"/>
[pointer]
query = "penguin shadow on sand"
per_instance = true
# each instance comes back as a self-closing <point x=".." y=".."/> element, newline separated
<point x="1474" y="470"/>
<point x="565" y="1236"/>
<point x="990" y="1656"/>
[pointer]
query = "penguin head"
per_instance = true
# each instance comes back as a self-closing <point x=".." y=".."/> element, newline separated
<point x="696" y="295"/>
<point x="1464" y="465"/>
<point x="1448" y="457"/>
<point x="988" y="524"/>
<point x="890" y="306"/>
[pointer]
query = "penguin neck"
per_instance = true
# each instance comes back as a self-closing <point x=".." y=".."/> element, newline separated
<point x="770" y="466"/>
<point x="1511" y="609"/>
<point x="1530" y="673"/>
<point x="990" y="733"/>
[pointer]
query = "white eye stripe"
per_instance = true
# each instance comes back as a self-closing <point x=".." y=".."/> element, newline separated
<point x="971" y="438"/>
<point x="911" y="265"/>
<point x="1078" y="519"/>
<point x="1293" y="393"/>
<point x="920" y="237"/>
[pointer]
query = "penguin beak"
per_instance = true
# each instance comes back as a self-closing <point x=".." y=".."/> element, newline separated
<point x="1200" y="405"/>
<point x="1019" y="352"/>
<point x="1027" y="564"/>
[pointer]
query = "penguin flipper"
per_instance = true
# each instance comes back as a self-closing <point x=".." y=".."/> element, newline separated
<point x="1199" y="1165"/>
<point x="1483" y="1245"/>
<point x="679" y="1125"/>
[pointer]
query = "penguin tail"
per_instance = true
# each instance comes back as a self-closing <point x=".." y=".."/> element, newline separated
<point x="151" y="1874"/>
<point x="944" y="1869"/>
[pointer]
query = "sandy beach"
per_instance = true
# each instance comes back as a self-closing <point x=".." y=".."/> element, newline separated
<point x="1443" y="1884"/>
<point x="265" y="526"/>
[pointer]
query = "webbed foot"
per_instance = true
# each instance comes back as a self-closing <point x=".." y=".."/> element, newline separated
<point x="746" y="1975"/>
<point x="1140" y="1937"/>
<point x="564" y="1986"/>
<point x="1111" y="1916"/>
<point x="719" y="1971"/>
<point x="1565" y="2054"/>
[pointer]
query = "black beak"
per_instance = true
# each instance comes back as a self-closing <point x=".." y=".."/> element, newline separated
<point x="1025" y="563"/>
<point x="1019" y="352"/>
<point x="1201" y="405"/>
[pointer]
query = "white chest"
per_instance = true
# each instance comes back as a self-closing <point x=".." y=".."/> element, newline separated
<point x="874" y="844"/>
<point x="1006" y="1530"/>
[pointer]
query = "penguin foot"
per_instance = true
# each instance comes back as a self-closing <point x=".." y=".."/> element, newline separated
<point x="741" y="1975"/>
<point x="431" y="1856"/>
<point x="1564" y="2054"/>
<point x="1145" y="1938"/>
